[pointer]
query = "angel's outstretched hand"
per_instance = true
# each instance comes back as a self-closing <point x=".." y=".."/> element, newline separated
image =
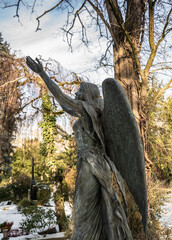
<point x="35" y="66"/>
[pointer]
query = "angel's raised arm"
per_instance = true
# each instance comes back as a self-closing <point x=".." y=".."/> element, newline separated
<point x="63" y="99"/>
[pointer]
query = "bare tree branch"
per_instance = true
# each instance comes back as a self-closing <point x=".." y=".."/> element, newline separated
<point x="151" y="25"/>
<point x="99" y="13"/>
<point x="17" y="5"/>
<point x="33" y="7"/>
<point x="17" y="10"/>
<point x="15" y="80"/>
<point x="47" y="11"/>
<point x="159" y="69"/>
<point x="30" y="102"/>
<point x="68" y="31"/>
<point x="116" y="10"/>
<point x="155" y="47"/>
<point x="163" y="89"/>
<point x="164" y="33"/>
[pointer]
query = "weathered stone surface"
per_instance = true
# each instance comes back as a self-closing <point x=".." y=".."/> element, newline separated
<point x="123" y="142"/>
<point x="98" y="212"/>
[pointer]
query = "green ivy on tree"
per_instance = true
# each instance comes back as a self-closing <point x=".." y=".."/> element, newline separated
<point x="48" y="125"/>
<point x="49" y="133"/>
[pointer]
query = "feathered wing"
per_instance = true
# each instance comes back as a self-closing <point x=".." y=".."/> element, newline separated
<point x="123" y="142"/>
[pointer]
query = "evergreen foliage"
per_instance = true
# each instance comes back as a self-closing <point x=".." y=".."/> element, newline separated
<point x="25" y="203"/>
<point x="16" y="190"/>
<point x="37" y="219"/>
<point x="43" y="194"/>
<point x="59" y="165"/>
<point x="159" y="132"/>
<point x="22" y="159"/>
<point x="4" y="46"/>
<point x="9" y="105"/>
<point x="164" y="141"/>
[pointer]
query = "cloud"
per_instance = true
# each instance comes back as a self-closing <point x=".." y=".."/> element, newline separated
<point x="49" y="42"/>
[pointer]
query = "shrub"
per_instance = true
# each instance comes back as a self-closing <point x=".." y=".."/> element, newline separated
<point x="26" y="203"/>
<point x="20" y="187"/>
<point x="17" y="190"/>
<point x="6" y="193"/>
<point x="37" y="218"/>
<point x="43" y="194"/>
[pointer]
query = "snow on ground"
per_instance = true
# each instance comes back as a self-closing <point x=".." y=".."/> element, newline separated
<point x="38" y="237"/>
<point x="68" y="210"/>
<point x="10" y="213"/>
<point x="166" y="218"/>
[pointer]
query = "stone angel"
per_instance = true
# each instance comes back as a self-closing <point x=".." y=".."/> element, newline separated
<point x="108" y="141"/>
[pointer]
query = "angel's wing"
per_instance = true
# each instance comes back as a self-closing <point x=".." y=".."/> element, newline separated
<point x="123" y="142"/>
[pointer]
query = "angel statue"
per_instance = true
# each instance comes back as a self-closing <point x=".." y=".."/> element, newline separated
<point x="108" y="141"/>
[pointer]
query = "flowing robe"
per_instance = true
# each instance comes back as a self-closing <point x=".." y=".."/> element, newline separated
<point x="98" y="213"/>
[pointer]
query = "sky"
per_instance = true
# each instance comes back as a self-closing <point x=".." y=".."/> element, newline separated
<point x="50" y="41"/>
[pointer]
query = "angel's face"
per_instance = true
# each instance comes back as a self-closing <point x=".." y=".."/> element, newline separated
<point x="80" y="94"/>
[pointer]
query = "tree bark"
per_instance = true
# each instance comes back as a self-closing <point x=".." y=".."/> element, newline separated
<point x="127" y="76"/>
<point x="127" y="34"/>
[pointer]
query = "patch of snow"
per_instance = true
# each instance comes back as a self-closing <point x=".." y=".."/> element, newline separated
<point x="4" y="203"/>
<point x="51" y="202"/>
<point x="16" y="238"/>
<point x="57" y="228"/>
<point x="54" y="235"/>
<point x="37" y="237"/>
<point x="166" y="217"/>
<point x="68" y="209"/>
<point x="10" y="213"/>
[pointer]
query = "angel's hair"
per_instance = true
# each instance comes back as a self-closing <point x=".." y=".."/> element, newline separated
<point x="91" y="95"/>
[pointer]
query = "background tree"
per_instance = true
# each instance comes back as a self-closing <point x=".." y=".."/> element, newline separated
<point x="22" y="159"/>
<point x="49" y="132"/>
<point x="55" y="155"/>
<point x="14" y="81"/>
<point x="9" y="104"/>
<point x="55" y="159"/>
<point x="159" y="129"/>
<point x="20" y="98"/>
<point x="65" y="177"/>
<point x="58" y="151"/>
<point x="136" y="32"/>
<point x="63" y="169"/>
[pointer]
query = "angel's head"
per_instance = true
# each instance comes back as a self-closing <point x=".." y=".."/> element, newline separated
<point x="89" y="93"/>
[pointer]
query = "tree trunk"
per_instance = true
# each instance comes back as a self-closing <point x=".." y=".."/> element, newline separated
<point x="126" y="74"/>
<point x="126" y="35"/>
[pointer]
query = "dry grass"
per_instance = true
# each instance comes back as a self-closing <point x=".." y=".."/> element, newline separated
<point x="157" y="192"/>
